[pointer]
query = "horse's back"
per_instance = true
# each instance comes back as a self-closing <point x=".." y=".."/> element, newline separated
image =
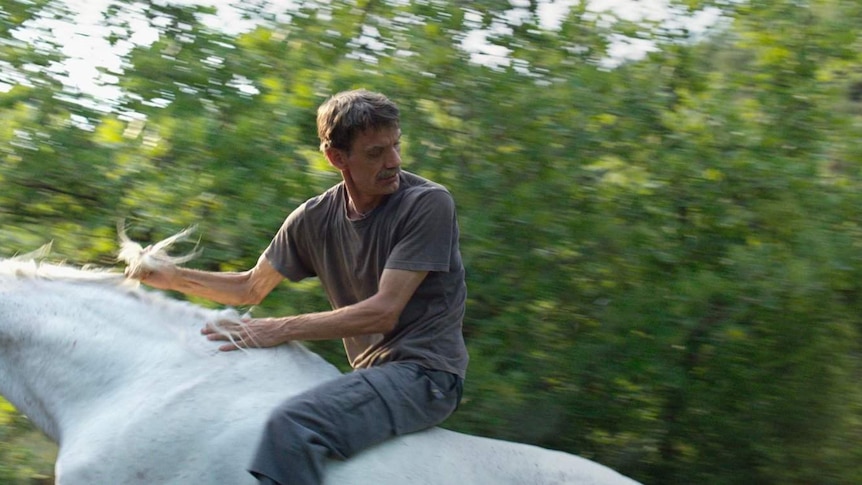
<point x="440" y="456"/>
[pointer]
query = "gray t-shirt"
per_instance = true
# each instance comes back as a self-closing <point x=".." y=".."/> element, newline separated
<point x="413" y="229"/>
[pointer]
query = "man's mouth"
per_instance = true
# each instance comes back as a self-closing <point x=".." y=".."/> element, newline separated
<point x="387" y="174"/>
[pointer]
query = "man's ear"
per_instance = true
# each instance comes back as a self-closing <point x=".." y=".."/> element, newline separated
<point x="337" y="158"/>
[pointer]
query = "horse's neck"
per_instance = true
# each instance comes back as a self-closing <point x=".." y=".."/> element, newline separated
<point x="62" y="343"/>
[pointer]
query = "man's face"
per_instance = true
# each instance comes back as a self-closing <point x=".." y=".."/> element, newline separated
<point x="374" y="162"/>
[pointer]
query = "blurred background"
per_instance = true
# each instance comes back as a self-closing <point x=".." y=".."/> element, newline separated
<point x="659" y="200"/>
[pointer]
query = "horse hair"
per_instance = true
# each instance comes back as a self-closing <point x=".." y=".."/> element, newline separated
<point x="137" y="258"/>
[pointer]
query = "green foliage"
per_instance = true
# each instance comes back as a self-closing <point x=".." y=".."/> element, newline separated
<point x="20" y="463"/>
<point x="664" y="259"/>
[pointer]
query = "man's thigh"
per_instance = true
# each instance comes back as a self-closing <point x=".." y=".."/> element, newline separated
<point x="364" y="407"/>
<point x="416" y="398"/>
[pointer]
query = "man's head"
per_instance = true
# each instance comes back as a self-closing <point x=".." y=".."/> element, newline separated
<point x="361" y="137"/>
<point x="347" y="114"/>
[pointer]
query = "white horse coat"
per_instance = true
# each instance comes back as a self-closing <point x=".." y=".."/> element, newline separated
<point x="123" y="381"/>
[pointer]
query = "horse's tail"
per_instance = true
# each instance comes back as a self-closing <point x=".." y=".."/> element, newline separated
<point x="139" y="258"/>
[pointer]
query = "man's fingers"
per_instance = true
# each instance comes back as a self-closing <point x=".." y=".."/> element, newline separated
<point x="221" y="327"/>
<point x="234" y="337"/>
<point x="236" y="343"/>
<point x="234" y="333"/>
<point x="231" y="332"/>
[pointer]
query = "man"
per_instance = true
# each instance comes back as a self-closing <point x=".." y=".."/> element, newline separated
<point x="384" y="244"/>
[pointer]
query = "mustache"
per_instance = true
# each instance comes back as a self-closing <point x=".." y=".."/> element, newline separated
<point x="387" y="173"/>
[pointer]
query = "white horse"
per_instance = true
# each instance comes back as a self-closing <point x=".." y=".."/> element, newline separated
<point x="122" y="380"/>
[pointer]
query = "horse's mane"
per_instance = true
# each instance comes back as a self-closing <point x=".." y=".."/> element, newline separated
<point x="136" y="257"/>
<point x="33" y="265"/>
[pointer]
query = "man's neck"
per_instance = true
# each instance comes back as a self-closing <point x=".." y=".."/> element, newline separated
<point x="354" y="214"/>
<point x="359" y="207"/>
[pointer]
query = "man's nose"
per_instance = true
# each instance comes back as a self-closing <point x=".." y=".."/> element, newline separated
<point x="394" y="159"/>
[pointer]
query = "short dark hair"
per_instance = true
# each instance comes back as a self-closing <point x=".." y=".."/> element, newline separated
<point x="348" y="113"/>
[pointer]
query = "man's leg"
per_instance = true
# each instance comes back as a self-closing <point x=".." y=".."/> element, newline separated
<point x="343" y="416"/>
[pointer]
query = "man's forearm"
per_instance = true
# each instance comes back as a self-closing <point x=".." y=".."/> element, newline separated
<point x="375" y="315"/>
<point x="364" y="318"/>
<point x="228" y="288"/>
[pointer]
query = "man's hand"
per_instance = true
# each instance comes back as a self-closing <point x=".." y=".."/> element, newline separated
<point x="151" y="270"/>
<point x="157" y="278"/>
<point x="247" y="333"/>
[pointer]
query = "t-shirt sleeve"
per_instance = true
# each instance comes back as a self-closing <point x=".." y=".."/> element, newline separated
<point x="285" y="251"/>
<point x="427" y="236"/>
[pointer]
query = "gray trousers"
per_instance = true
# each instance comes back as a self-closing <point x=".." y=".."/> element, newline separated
<point x="348" y="414"/>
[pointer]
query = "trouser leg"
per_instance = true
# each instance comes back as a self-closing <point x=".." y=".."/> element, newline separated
<point x="343" y="416"/>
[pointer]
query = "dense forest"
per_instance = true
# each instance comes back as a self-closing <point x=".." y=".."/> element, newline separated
<point x="664" y="252"/>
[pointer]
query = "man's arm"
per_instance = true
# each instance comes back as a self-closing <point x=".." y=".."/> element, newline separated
<point x="229" y="288"/>
<point x="377" y="314"/>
